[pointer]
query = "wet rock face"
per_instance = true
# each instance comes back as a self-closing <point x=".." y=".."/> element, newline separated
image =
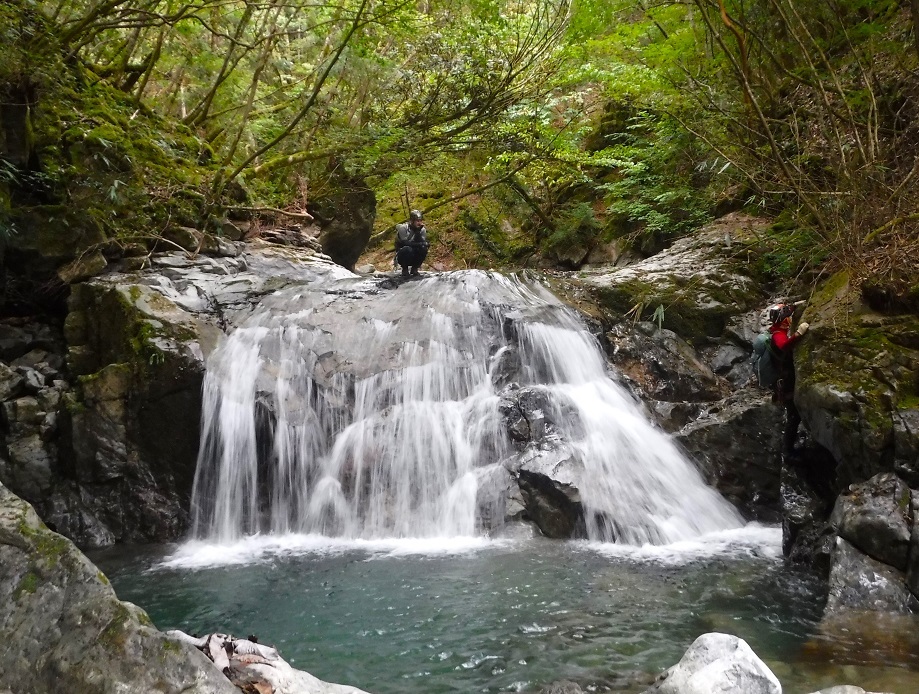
<point x="665" y="366"/>
<point x="105" y="445"/>
<point x="63" y="629"/>
<point x="736" y="443"/>
<point x="859" y="582"/>
<point x="807" y="501"/>
<point x="875" y="517"/>
<point x="546" y="469"/>
<point x="857" y="372"/>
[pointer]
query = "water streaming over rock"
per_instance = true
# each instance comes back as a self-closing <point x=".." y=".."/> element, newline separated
<point x="370" y="409"/>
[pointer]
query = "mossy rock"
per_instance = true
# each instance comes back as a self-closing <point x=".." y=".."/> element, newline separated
<point x="71" y="632"/>
<point x="858" y="377"/>
<point x="694" y="287"/>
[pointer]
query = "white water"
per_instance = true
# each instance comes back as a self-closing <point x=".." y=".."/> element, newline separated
<point x="323" y="417"/>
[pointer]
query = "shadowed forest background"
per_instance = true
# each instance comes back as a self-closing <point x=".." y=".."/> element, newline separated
<point x="531" y="133"/>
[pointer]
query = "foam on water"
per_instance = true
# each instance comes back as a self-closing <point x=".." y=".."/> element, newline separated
<point x="369" y="415"/>
<point x="751" y="540"/>
<point x="200" y="554"/>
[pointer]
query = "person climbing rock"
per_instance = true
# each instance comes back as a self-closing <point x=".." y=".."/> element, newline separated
<point x="781" y="349"/>
<point x="411" y="243"/>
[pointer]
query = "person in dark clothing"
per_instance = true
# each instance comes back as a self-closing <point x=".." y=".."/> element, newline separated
<point x="411" y="243"/>
<point x="783" y="341"/>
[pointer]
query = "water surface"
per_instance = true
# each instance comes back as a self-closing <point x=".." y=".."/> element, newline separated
<point x="470" y="615"/>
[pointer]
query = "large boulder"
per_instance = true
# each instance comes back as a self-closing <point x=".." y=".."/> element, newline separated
<point x="550" y="475"/>
<point x="735" y="443"/>
<point x="345" y="215"/>
<point x="700" y="282"/>
<point x="548" y="471"/>
<point x="856" y="383"/>
<point x="663" y="365"/>
<point x="718" y="664"/>
<point x="62" y="629"/>
<point x="858" y="582"/>
<point x="875" y="517"/>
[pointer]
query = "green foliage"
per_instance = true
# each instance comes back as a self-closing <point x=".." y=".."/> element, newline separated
<point x="576" y="228"/>
<point x="658" y="316"/>
<point x="790" y="250"/>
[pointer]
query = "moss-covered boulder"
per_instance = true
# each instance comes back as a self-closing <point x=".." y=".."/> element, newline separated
<point x="62" y="629"/>
<point x="345" y="214"/>
<point x="858" y="384"/>
<point x="699" y="283"/>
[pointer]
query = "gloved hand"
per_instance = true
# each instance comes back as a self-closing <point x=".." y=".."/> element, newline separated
<point x="802" y="328"/>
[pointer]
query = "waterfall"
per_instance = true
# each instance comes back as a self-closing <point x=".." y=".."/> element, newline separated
<point x="366" y="411"/>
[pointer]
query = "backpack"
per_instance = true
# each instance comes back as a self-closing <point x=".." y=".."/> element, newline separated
<point x="765" y="364"/>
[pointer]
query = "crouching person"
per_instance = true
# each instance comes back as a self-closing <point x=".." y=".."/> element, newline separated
<point x="411" y="243"/>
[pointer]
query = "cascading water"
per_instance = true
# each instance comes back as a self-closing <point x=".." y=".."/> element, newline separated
<point x="367" y="412"/>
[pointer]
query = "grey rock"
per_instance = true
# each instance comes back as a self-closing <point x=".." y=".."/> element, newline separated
<point x="31" y="379"/>
<point x="69" y="514"/>
<point x="30" y="465"/>
<point x="32" y="358"/>
<point x="11" y="383"/>
<point x="662" y="364"/>
<point x="808" y="537"/>
<point x="253" y="666"/>
<point x="912" y="565"/>
<point x="549" y="476"/>
<point x="673" y="416"/>
<point x="736" y="443"/>
<point x="231" y="231"/>
<point x="526" y="413"/>
<point x="718" y="664"/>
<point x="498" y="498"/>
<point x="82" y="268"/>
<point x="23" y="412"/>
<point x="906" y="445"/>
<point x="844" y="689"/>
<point x="700" y="280"/>
<point x="861" y="583"/>
<point x="139" y="342"/>
<point x="875" y="517"/>
<point x="562" y="688"/>
<point x="15" y="340"/>
<point x="63" y="629"/>
<point x="346" y="218"/>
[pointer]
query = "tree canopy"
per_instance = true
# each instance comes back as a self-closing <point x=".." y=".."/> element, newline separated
<point x="587" y="120"/>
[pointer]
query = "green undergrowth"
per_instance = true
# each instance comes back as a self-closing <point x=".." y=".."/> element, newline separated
<point x="95" y="165"/>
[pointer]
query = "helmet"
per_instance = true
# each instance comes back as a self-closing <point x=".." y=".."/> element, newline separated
<point x="779" y="312"/>
<point x="415" y="216"/>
